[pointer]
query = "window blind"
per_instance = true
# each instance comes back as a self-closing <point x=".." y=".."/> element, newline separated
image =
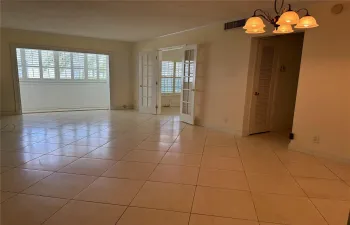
<point x="32" y="63"/>
<point x="64" y="59"/>
<point x="61" y="65"/>
<point x="92" y="66"/>
<point x="78" y="66"/>
<point x="171" y="81"/>
<point x="48" y="64"/>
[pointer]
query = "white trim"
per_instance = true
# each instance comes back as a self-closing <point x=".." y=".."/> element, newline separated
<point x="189" y="118"/>
<point x="65" y="110"/>
<point x="171" y="48"/>
<point x="53" y="81"/>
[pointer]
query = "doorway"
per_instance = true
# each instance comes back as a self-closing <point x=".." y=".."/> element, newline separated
<point x="171" y="61"/>
<point x="274" y="83"/>
<point x="160" y="77"/>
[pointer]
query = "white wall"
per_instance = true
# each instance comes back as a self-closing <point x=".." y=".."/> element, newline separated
<point x="171" y="100"/>
<point x="322" y="105"/>
<point x="56" y="96"/>
<point x="224" y="59"/>
<point x="121" y="81"/>
<point x="323" y="97"/>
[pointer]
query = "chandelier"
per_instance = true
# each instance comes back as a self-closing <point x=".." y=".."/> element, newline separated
<point x="283" y="21"/>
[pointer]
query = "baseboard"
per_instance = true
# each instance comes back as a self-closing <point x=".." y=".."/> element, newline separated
<point x="294" y="147"/>
<point x="63" y="110"/>
<point x="8" y="113"/>
<point x="123" y="107"/>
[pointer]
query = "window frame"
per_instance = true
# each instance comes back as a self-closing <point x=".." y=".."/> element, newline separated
<point x="174" y="78"/>
<point x="57" y="79"/>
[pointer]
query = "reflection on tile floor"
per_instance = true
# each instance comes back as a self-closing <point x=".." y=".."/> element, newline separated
<point x="126" y="168"/>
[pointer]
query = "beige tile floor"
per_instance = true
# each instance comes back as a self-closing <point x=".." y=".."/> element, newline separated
<point x="126" y="168"/>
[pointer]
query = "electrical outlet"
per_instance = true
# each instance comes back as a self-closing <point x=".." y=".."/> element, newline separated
<point x="316" y="139"/>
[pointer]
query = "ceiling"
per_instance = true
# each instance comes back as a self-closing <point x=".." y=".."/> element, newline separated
<point x="122" y="20"/>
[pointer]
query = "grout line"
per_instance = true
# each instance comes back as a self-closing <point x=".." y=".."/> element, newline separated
<point x="344" y="181"/>
<point x="307" y="196"/>
<point x="150" y="118"/>
<point x="68" y="201"/>
<point x="244" y="170"/>
<point x="195" y="189"/>
<point x="142" y="185"/>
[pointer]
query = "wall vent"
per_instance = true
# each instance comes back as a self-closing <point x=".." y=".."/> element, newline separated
<point x="234" y="24"/>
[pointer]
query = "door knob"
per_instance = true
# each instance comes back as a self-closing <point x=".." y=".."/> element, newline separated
<point x="256" y="93"/>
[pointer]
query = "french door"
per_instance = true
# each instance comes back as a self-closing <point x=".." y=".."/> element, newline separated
<point x="262" y="89"/>
<point x="148" y="81"/>
<point x="188" y="84"/>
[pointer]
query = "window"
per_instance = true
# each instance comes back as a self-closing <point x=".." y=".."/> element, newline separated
<point x="178" y="77"/>
<point x="32" y="63"/>
<point x="61" y="65"/>
<point x="92" y="66"/>
<point x="102" y="66"/>
<point x="64" y="59"/>
<point x="78" y="66"/>
<point x="19" y="62"/>
<point x="171" y="81"/>
<point x="48" y="64"/>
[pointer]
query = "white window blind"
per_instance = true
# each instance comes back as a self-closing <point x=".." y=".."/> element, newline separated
<point x="167" y="81"/>
<point x="61" y="65"/>
<point x="171" y="81"/>
<point x="19" y="63"/>
<point x="32" y="63"/>
<point x="102" y="66"/>
<point x="178" y="75"/>
<point x="92" y="66"/>
<point x="78" y="66"/>
<point x="48" y="64"/>
<point x="64" y="59"/>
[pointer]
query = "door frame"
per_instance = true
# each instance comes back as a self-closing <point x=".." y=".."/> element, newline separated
<point x="251" y="79"/>
<point x="272" y="83"/>
<point x="160" y="58"/>
<point x="251" y="84"/>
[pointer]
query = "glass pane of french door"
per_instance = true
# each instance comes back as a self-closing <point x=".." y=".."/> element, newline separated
<point x="187" y="81"/>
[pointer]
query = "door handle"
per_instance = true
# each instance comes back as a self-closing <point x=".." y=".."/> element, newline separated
<point x="256" y="93"/>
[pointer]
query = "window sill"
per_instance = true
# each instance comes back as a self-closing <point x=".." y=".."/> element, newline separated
<point x="53" y="81"/>
<point x="172" y="94"/>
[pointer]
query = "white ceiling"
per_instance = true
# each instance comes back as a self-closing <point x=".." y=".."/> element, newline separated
<point x="122" y="20"/>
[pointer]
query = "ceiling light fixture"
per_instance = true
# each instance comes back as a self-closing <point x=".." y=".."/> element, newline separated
<point x="282" y="22"/>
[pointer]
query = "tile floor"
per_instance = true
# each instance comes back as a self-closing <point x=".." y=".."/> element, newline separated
<point x="125" y="168"/>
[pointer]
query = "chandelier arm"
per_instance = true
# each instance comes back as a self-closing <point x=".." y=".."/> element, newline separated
<point x="278" y="11"/>
<point x="264" y="17"/>
<point x="281" y="8"/>
<point x="307" y="11"/>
